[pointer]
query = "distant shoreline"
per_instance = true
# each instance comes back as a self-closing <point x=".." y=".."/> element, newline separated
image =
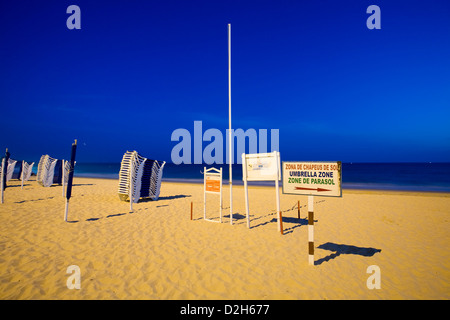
<point x="345" y="186"/>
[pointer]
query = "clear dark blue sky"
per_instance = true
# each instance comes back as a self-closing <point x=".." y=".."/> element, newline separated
<point x="137" y="70"/>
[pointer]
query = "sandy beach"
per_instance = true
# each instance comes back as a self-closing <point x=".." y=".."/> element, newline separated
<point x="157" y="252"/>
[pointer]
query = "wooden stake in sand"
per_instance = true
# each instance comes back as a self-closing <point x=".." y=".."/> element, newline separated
<point x="70" y="180"/>
<point x="298" y="208"/>
<point x="280" y="219"/>
<point x="192" y="209"/>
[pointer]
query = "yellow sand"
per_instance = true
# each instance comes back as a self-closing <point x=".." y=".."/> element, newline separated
<point x="157" y="252"/>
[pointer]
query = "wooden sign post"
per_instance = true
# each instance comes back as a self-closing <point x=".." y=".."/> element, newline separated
<point x="312" y="179"/>
<point x="212" y="183"/>
<point x="311" y="230"/>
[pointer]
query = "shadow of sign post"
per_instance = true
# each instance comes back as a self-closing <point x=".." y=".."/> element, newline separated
<point x="339" y="249"/>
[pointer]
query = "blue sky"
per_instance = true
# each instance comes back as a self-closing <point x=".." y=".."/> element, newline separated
<point x="138" y="70"/>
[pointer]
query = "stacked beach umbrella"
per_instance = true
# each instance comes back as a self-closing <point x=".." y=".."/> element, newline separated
<point x="24" y="172"/>
<point x="139" y="177"/>
<point x="7" y="171"/>
<point x="4" y="172"/>
<point x="11" y="164"/>
<point x="49" y="171"/>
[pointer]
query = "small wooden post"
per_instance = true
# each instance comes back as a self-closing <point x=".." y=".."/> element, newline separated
<point x="192" y="209"/>
<point x="298" y="207"/>
<point x="280" y="222"/>
<point x="280" y="218"/>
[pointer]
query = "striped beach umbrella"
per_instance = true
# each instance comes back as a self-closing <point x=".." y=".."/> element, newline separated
<point x="5" y="168"/>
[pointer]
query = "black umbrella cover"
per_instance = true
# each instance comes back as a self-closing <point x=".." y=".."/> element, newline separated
<point x="72" y="168"/>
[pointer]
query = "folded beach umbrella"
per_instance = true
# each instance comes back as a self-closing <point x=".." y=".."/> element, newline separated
<point x="17" y="173"/>
<point x="139" y="177"/>
<point x="5" y="167"/>
<point x="3" y="173"/>
<point x="65" y="175"/>
<point x="70" y="177"/>
<point x="10" y="169"/>
<point x="46" y="170"/>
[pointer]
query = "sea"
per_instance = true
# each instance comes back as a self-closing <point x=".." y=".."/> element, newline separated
<point x="433" y="177"/>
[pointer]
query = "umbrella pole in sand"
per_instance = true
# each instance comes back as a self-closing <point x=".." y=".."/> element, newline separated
<point x="70" y="180"/>
<point x="2" y="186"/>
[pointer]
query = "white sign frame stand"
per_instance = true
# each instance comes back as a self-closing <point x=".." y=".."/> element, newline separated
<point x="214" y="173"/>
<point x="244" y="174"/>
<point x="275" y="154"/>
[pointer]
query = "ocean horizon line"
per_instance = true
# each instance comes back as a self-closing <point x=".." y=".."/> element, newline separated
<point x="343" y="162"/>
<point x="346" y="186"/>
<point x="423" y="176"/>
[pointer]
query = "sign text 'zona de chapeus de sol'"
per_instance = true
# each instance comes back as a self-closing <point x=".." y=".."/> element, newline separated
<point x="313" y="178"/>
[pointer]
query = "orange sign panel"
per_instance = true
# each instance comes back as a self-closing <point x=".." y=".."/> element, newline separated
<point x="212" y="185"/>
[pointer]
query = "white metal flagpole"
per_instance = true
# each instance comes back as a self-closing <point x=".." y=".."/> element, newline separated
<point x="230" y="141"/>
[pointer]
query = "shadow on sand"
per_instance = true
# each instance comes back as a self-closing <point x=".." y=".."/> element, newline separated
<point x="178" y="196"/>
<point x="339" y="249"/>
<point x="95" y="219"/>
<point x="24" y="201"/>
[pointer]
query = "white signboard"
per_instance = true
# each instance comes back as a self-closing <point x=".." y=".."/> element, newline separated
<point x="313" y="178"/>
<point x="262" y="167"/>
